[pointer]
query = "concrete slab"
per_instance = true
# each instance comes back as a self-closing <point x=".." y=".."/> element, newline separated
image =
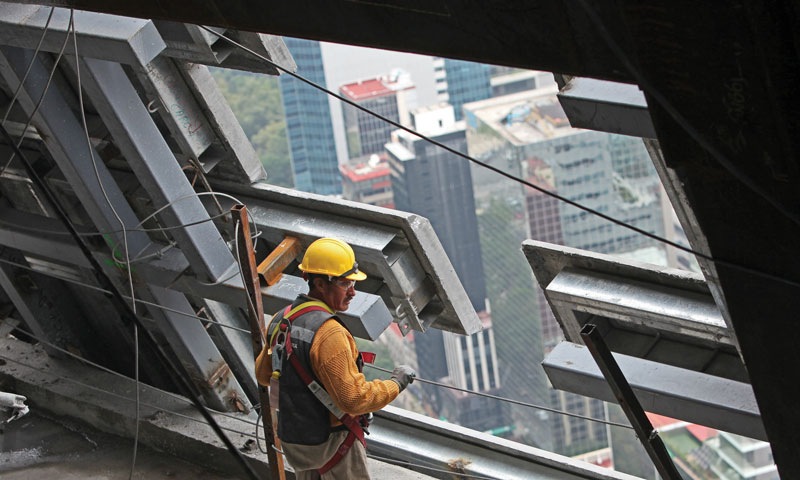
<point x="103" y="401"/>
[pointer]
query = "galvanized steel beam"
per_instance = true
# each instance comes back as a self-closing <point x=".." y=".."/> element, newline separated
<point x="661" y="314"/>
<point x="125" y="40"/>
<point x="695" y="397"/>
<point x="400" y="252"/>
<point x="66" y="142"/>
<point x="148" y="154"/>
<point x="410" y="437"/>
<point x="606" y="107"/>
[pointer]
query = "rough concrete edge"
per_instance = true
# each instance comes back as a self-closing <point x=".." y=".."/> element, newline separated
<point x="49" y="385"/>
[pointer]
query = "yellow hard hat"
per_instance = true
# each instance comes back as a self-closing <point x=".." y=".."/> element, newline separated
<point x="330" y="256"/>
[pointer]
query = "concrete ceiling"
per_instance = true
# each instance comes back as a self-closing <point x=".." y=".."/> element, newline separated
<point x="721" y="85"/>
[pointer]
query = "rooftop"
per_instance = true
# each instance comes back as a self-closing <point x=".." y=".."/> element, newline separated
<point x="525" y="117"/>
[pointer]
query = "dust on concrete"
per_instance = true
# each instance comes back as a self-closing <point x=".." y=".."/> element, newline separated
<point x="48" y="448"/>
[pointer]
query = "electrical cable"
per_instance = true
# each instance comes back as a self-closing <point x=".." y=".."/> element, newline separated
<point x="70" y="28"/>
<point x="30" y="66"/>
<point x="126" y="312"/>
<point x="100" y="234"/>
<point x="544" y="191"/>
<point x="425" y="467"/>
<point x="124" y="242"/>
<point x="109" y="292"/>
<point x="681" y="120"/>
<point x="508" y="400"/>
<point x="123" y="397"/>
<point x="112" y="372"/>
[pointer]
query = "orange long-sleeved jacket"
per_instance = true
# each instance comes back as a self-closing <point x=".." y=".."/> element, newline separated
<point x="333" y="358"/>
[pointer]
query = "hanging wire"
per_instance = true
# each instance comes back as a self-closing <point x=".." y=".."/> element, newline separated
<point x="112" y="372"/>
<point x="443" y="385"/>
<point x="507" y="400"/>
<point x="82" y="109"/>
<point x="121" y="397"/>
<point x="138" y="300"/>
<point x="544" y="191"/>
<point x="30" y="66"/>
<point x="70" y="28"/>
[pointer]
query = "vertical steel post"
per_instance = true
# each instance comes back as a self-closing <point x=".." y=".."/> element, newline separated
<point x="247" y="263"/>
<point x="630" y="404"/>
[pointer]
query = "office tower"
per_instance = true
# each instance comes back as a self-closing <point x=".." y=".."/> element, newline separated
<point x="459" y="82"/>
<point x="520" y="81"/>
<point x="390" y="96"/>
<point x="432" y="182"/>
<point x="527" y="134"/>
<point x="308" y="123"/>
<point x="368" y="182"/>
<point x="544" y="224"/>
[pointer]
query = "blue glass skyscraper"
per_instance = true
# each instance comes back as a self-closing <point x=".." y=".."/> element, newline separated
<point x="466" y="82"/>
<point x="308" y="122"/>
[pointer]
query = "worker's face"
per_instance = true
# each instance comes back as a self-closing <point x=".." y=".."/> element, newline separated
<point x="337" y="293"/>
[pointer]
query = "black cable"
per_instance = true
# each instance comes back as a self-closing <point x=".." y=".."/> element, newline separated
<point x="684" y="123"/>
<point x="138" y="300"/>
<point x="508" y="175"/>
<point x="112" y="372"/>
<point x="117" y="395"/>
<point x="125" y="310"/>
<point x="508" y="400"/>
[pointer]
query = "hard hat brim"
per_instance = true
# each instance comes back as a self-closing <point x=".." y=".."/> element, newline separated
<point x="358" y="276"/>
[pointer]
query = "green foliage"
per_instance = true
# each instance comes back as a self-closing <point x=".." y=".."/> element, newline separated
<point x="255" y="100"/>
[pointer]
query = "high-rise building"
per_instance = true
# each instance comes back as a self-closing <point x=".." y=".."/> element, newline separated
<point x="434" y="183"/>
<point x="369" y="182"/>
<point x="391" y="96"/>
<point x="544" y="224"/>
<point x="459" y="82"/>
<point x="308" y="123"/>
<point x="527" y="134"/>
<point x="437" y="184"/>
<point x="520" y="81"/>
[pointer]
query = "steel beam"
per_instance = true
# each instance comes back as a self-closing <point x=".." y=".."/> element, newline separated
<point x="176" y="105"/>
<point x="49" y="316"/>
<point x="66" y="142"/>
<point x="234" y="158"/>
<point x="606" y="106"/>
<point x="660" y="314"/>
<point x="410" y="437"/>
<point x="366" y="318"/>
<point x="148" y="154"/>
<point x="648" y="437"/>
<point x="400" y="252"/>
<point x="193" y="44"/>
<point x="109" y="37"/>
<point x="709" y="400"/>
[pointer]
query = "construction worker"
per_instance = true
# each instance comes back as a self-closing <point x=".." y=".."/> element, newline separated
<point x="322" y="429"/>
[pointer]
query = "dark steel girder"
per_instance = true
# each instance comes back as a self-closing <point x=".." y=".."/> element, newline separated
<point x="541" y="34"/>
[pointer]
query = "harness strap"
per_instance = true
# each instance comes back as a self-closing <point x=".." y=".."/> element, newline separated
<point x="352" y="424"/>
<point x="340" y="453"/>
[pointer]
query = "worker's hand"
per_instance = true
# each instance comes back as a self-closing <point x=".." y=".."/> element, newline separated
<point x="402" y="375"/>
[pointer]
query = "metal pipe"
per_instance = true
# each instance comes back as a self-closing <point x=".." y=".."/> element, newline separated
<point x="651" y="442"/>
<point x="247" y="265"/>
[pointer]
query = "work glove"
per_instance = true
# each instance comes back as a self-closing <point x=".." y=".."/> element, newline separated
<point x="402" y="375"/>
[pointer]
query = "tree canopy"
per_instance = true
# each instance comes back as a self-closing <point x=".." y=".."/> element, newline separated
<point x="256" y="101"/>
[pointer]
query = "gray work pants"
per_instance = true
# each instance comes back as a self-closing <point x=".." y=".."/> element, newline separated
<point x="307" y="459"/>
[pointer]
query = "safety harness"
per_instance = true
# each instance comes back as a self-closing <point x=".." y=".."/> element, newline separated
<point x="280" y="341"/>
